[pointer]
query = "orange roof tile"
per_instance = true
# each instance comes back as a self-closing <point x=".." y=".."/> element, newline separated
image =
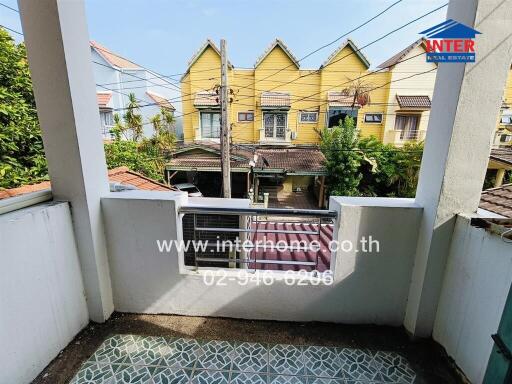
<point x="160" y="100"/>
<point x="103" y="98"/>
<point x="116" y="175"/>
<point x="113" y="58"/>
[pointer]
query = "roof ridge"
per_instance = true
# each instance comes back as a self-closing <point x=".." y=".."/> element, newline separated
<point x="354" y="47"/>
<point x="270" y="48"/>
<point x="102" y="51"/>
<point x="393" y="60"/>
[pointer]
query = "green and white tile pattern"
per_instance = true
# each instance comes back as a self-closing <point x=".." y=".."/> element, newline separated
<point x="157" y="360"/>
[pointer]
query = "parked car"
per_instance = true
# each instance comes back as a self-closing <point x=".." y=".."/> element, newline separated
<point x="190" y="188"/>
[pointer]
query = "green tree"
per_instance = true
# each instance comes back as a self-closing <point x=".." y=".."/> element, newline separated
<point x="22" y="157"/>
<point x="343" y="160"/>
<point x="394" y="171"/>
<point x="133" y="119"/>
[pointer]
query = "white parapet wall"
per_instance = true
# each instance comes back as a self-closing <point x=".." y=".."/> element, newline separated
<point x="41" y="291"/>
<point x="368" y="288"/>
<point x="477" y="280"/>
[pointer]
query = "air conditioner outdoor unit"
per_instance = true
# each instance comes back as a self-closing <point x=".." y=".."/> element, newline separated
<point x="294" y="135"/>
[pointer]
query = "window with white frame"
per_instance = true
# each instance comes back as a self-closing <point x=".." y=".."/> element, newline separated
<point x="408" y="126"/>
<point x="275" y="125"/>
<point x="308" y="117"/>
<point x="244" y="117"/>
<point x="107" y="123"/>
<point x="373" y="118"/>
<point x="506" y="117"/>
<point x="210" y="125"/>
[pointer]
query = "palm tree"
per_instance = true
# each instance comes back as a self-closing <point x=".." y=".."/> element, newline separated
<point x="133" y="118"/>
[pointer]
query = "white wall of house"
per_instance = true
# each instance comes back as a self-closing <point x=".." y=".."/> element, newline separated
<point x="403" y="84"/>
<point x="127" y="83"/>
<point x="41" y="289"/>
<point x="369" y="288"/>
<point x="477" y="280"/>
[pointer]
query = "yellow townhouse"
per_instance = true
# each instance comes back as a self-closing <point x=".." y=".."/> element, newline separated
<point x="277" y="110"/>
<point x="277" y="102"/>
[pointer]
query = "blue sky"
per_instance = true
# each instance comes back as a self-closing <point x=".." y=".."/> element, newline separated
<point x="163" y="34"/>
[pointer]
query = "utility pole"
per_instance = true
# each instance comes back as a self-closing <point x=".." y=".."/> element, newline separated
<point x="224" y="121"/>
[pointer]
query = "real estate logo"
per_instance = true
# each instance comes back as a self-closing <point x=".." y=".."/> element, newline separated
<point x="450" y="42"/>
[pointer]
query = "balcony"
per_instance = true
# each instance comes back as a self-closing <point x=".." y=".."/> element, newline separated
<point x="398" y="138"/>
<point x="84" y="270"/>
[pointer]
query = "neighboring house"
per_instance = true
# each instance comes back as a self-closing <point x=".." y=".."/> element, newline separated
<point x="267" y="110"/>
<point x="284" y="173"/>
<point x="117" y="77"/>
<point x="270" y="109"/>
<point x="498" y="200"/>
<point x="410" y="95"/>
<point x="122" y="175"/>
<point x="501" y="161"/>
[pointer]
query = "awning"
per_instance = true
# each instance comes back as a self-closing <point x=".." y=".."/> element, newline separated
<point x="206" y="99"/>
<point x="275" y="100"/>
<point x="414" y="102"/>
<point x="103" y="99"/>
<point x="341" y="99"/>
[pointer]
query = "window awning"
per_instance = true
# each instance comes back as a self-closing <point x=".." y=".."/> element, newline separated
<point x="275" y="100"/>
<point x="414" y="102"/>
<point x="341" y="99"/>
<point x="206" y="99"/>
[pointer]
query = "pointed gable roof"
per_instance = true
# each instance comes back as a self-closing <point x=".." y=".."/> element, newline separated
<point x="277" y="43"/>
<point x="208" y="44"/>
<point x="113" y="58"/>
<point x="352" y="45"/>
<point x="396" y="58"/>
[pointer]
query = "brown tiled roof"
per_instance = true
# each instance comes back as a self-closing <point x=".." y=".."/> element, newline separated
<point x="277" y="43"/>
<point x="240" y="157"/>
<point x="126" y="176"/>
<point x="498" y="200"/>
<point x="503" y="155"/>
<point x="103" y="98"/>
<point x="275" y="99"/>
<point x="291" y="159"/>
<point x="116" y="175"/>
<point x="341" y="99"/>
<point x="113" y="58"/>
<point x="160" y="100"/>
<point x="24" y="189"/>
<point x="416" y="102"/>
<point x="206" y="99"/>
<point x="393" y="60"/>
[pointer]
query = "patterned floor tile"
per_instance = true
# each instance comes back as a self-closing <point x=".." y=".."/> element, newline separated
<point x="146" y="356"/>
<point x="182" y="353"/>
<point x="133" y="359"/>
<point x="393" y="368"/>
<point x="286" y="360"/>
<point x="134" y="375"/>
<point x="210" y="377"/>
<point x="215" y="355"/>
<point x="357" y="364"/>
<point x="250" y="357"/>
<point x="283" y="379"/>
<point x="324" y="380"/>
<point x="322" y="362"/>
<point x="93" y="373"/>
<point x="248" y="378"/>
<point x="171" y="376"/>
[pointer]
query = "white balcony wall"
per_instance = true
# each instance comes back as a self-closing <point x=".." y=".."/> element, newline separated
<point x="41" y="289"/>
<point x="368" y="288"/>
<point x="476" y="284"/>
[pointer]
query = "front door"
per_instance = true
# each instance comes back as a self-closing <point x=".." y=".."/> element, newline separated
<point x="499" y="369"/>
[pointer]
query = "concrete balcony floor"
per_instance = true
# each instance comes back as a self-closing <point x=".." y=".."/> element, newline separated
<point x="158" y="349"/>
